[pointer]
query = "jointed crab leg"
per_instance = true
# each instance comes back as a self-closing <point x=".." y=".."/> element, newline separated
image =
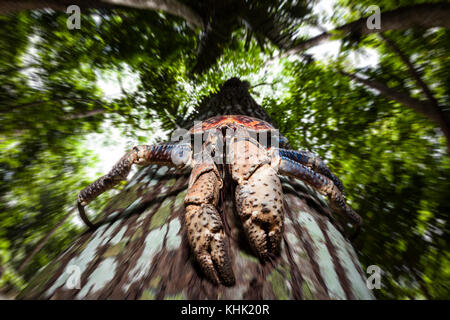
<point x="309" y="159"/>
<point x="165" y="154"/>
<point x="319" y="182"/>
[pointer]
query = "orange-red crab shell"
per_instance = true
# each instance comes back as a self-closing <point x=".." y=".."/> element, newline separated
<point x="231" y="121"/>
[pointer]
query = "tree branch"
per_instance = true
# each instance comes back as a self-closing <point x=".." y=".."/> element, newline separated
<point x="37" y="103"/>
<point x="81" y="115"/>
<point x="170" y="6"/>
<point x="87" y="114"/>
<point x="427" y="15"/>
<point x="17" y="69"/>
<point x="443" y="119"/>
<point x="426" y="108"/>
<point x="412" y="70"/>
<point x="13" y="6"/>
<point x="423" y="107"/>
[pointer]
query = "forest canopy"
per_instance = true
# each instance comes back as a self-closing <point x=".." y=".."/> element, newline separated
<point x="373" y="105"/>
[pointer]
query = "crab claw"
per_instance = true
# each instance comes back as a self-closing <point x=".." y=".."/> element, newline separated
<point x="204" y="225"/>
<point x="259" y="196"/>
<point x="259" y="204"/>
<point x="207" y="240"/>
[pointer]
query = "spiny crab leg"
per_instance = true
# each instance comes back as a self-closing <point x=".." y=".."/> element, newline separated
<point x="165" y="154"/>
<point x="318" y="181"/>
<point x="309" y="159"/>
<point x="259" y="197"/>
<point x="203" y="222"/>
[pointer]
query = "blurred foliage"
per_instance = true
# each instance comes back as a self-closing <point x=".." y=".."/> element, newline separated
<point x="392" y="161"/>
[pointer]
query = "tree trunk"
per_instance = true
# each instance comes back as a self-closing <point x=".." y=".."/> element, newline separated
<point x="141" y="251"/>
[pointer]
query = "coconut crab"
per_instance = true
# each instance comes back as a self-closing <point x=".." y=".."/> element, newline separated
<point x="253" y="163"/>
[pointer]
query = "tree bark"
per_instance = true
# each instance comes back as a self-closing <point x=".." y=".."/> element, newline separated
<point x="427" y="15"/>
<point x="140" y="251"/>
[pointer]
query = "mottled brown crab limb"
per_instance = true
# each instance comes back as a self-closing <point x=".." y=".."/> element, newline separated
<point x="259" y="197"/>
<point x="140" y="155"/>
<point x="204" y="225"/>
<point x="165" y="154"/>
<point x="311" y="160"/>
<point x="319" y="182"/>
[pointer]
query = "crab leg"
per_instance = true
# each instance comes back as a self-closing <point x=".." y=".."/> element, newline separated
<point x="259" y="197"/>
<point x="309" y="159"/>
<point x="165" y="154"/>
<point x="318" y="181"/>
<point x="204" y="225"/>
